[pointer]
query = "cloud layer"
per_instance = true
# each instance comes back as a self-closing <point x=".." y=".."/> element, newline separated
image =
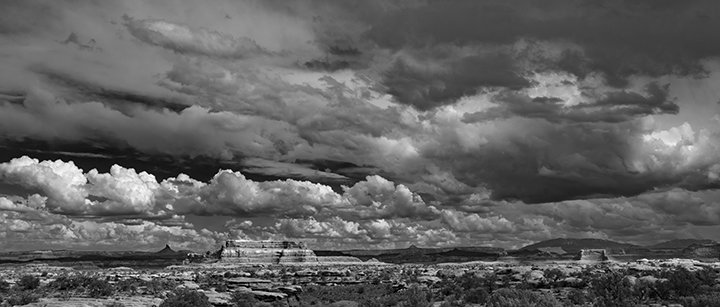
<point x="362" y="122"/>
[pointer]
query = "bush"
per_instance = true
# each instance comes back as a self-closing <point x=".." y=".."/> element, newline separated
<point x="65" y="283"/>
<point x="127" y="285"/>
<point x="158" y="285"/>
<point x="612" y="290"/>
<point x="553" y="275"/>
<point x="114" y="304"/>
<point x="521" y="298"/>
<point x="476" y="296"/>
<point x="682" y="283"/>
<point x="578" y="297"/>
<point x="186" y="298"/>
<point x="243" y="299"/>
<point x="712" y="300"/>
<point x="28" y="282"/>
<point x="99" y="288"/>
<point x="417" y="297"/>
<point x="21" y="298"/>
<point x="4" y="285"/>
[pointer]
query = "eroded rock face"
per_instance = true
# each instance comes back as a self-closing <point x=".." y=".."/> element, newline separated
<point x="703" y="251"/>
<point x="592" y="255"/>
<point x="272" y="252"/>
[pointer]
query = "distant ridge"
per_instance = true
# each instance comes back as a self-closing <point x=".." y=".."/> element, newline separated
<point x="575" y="245"/>
<point x="680" y="244"/>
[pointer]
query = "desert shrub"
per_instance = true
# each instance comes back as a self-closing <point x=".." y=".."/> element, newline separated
<point x="473" y="288"/>
<point x="521" y="298"/>
<point x="65" y="282"/>
<point x="416" y="297"/>
<point x="129" y="285"/>
<point x="707" y="300"/>
<point x="243" y="299"/>
<point x="612" y="290"/>
<point x="578" y="297"/>
<point x="452" y="302"/>
<point x="331" y="294"/>
<point x="212" y="281"/>
<point x="681" y="283"/>
<point x="114" y="304"/>
<point x="370" y="303"/>
<point x="21" y="298"/>
<point x="4" y="285"/>
<point x="28" y="282"/>
<point x="553" y="275"/>
<point x="476" y="296"/>
<point x="99" y="288"/>
<point x="186" y="298"/>
<point x="158" y="285"/>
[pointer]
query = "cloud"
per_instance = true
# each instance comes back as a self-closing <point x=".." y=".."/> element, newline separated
<point x="195" y="128"/>
<point x="612" y="107"/>
<point x="126" y="191"/>
<point x="231" y="193"/>
<point x="442" y="119"/>
<point x="22" y="232"/>
<point x="428" y="87"/>
<point x="379" y="198"/>
<point x="474" y="223"/>
<point x="537" y="161"/>
<point x="617" y="39"/>
<point x="62" y="182"/>
<point x="183" y="39"/>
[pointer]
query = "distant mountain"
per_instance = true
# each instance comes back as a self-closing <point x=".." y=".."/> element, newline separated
<point x="575" y="245"/>
<point x="167" y="251"/>
<point x="680" y="244"/>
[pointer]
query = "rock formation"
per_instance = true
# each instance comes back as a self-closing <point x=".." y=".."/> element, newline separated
<point x="592" y="255"/>
<point x="271" y="252"/>
<point x="702" y="251"/>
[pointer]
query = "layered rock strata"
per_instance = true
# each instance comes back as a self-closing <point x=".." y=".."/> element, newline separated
<point x="592" y="255"/>
<point x="272" y="252"/>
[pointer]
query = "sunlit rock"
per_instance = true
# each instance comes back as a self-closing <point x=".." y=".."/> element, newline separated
<point x="271" y="252"/>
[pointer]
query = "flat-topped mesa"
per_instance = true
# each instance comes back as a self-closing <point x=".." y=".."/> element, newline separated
<point x="271" y="252"/>
<point x="596" y="255"/>
<point x="265" y="244"/>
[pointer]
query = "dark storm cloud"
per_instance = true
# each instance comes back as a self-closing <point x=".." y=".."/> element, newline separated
<point x="613" y="107"/>
<point x="538" y="161"/>
<point x="618" y="38"/>
<point x="428" y="88"/>
<point x="86" y="90"/>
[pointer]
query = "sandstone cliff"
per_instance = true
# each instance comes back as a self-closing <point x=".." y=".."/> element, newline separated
<point x="592" y="255"/>
<point x="270" y="252"/>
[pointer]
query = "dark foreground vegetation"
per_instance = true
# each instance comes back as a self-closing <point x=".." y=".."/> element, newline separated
<point x="590" y="287"/>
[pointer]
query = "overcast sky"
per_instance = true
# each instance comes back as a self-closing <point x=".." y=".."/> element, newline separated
<point x="357" y="124"/>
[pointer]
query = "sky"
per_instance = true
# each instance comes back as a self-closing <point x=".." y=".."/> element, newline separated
<point x="128" y="125"/>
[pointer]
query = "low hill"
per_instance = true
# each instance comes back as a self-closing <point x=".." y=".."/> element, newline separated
<point x="575" y="245"/>
<point x="680" y="244"/>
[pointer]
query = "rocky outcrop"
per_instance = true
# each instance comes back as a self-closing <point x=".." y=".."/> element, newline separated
<point x="703" y="251"/>
<point x="592" y="255"/>
<point x="270" y="252"/>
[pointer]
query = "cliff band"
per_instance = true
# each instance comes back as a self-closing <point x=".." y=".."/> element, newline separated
<point x="274" y="252"/>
